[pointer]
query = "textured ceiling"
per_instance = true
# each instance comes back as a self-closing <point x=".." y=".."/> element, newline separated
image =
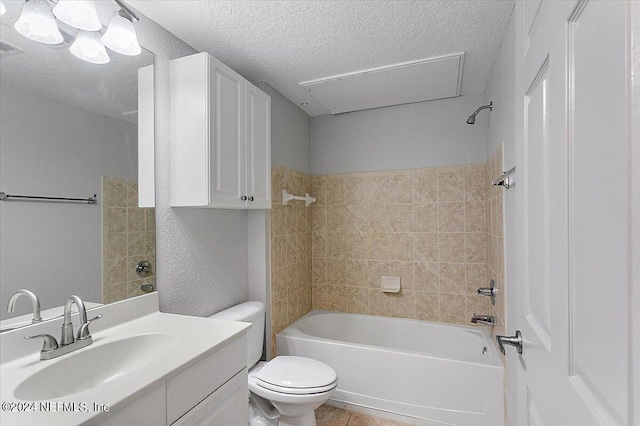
<point x="287" y="42"/>
<point x="110" y="89"/>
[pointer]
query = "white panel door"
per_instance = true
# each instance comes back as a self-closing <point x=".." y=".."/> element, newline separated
<point x="226" y="127"/>
<point x="573" y="254"/>
<point x="258" y="147"/>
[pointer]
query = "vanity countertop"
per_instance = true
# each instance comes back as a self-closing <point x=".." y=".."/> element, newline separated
<point x="185" y="341"/>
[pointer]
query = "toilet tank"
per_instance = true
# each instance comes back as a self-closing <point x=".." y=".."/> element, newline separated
<point x="252" y="312"/>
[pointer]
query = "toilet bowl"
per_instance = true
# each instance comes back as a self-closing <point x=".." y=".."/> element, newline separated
<point x="293" y="386"/>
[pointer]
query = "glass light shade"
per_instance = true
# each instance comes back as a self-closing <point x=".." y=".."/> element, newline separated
<point x="37" y="23"/>
<point x="80" y="14"/>
<point x="3" y="9"/>
<point x="121" y="36"/>
<point x="88" y="47"/>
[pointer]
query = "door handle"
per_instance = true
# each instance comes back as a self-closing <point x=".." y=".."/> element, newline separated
<point x="510" y="340"/>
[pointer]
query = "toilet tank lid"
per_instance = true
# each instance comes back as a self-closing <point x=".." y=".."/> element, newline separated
<point x="243" y="312"/>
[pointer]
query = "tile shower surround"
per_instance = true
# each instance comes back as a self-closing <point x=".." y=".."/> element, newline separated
<point x="427" y="226"/>
<point x="128" y="236"/>
<point x="439" y="229"/>
<point x="291" y="294"/>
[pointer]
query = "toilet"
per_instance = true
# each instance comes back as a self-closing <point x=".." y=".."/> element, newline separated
<point x="287" y="387"/>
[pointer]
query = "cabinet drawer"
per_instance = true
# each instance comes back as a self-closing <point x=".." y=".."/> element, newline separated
<point x="187" y="389"/>
<point x="150" y="410"/>
<point x="226" y="406"/>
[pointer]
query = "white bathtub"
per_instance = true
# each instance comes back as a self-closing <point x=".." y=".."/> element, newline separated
<point x="417" y="369"/>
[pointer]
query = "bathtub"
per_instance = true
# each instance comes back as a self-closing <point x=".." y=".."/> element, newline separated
<point x="423" y="371"/>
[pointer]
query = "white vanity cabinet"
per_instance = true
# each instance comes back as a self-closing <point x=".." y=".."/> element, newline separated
<point x="220" y="137"/>
<point x="214" y="391"/>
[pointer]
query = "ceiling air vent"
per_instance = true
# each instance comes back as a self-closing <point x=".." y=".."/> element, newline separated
<point x="7" y="50"/>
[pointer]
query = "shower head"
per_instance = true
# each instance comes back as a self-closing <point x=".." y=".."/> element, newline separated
<point x="472" y="117"/>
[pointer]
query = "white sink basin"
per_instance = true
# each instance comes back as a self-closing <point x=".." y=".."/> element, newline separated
<point x="94" y="366"/>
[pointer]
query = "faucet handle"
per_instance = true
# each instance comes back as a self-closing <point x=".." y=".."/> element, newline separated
<point x="50" y="342"/>
<point x="83" y="331"/>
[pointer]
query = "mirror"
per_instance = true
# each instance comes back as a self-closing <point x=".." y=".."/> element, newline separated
<point x="68" y="128"/>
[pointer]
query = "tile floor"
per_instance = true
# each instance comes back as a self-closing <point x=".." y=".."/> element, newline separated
<point x="330" y="416"/>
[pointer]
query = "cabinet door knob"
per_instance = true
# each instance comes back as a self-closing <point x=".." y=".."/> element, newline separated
<point x="243" y="198"/>
<point x="250" y="198"/>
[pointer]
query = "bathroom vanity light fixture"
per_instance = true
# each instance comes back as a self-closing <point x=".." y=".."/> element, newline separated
<point x="472" y="117"/>
<point x="88" y="47"/>
<point x="80" y="14"/>
<point x="37" y="22"/>
<point x="121" y="35"/>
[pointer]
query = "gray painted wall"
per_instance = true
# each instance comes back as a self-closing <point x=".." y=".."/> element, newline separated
<point x="201" y="253"/>
<point x="55" y="249"/>
<point x="290" y="132"/>
<point x="424" y="134"/>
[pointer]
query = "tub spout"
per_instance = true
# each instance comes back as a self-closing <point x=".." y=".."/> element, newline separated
<point x="483" y="319"/>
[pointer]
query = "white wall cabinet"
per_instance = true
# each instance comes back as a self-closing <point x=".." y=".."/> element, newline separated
<point x="220" y="137"/>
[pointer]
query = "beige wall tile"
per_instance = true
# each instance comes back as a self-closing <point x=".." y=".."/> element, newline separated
<point x="336" y="272"/>
<point x="377" y="188"/>
<point x="136" y="243"/>
<point x="427" y="276"/>
<point x="452" y="278"/>
<point x="318" y="189"/>
<point x="429" y="226"/>
<point x="475" y="216"/>
<point x="425" y="186"/>
<point x="475" y="182"/>
<point x="401" y="217"/>
<point x="337" y="298"/>
<point x="427" y="306"/>
<point x="358" y="300"/>
<point x="476" y="247"/>
<point x="115" y="245"/>
<point x="336" y="245"/>
<point x="477" y="276"/>
<point x="377" y="218"/>
<point x="400" y="186"/>
<point x="114" y="191"/>
<point x="450" y="184"/>
<point x="425" y="247"/>
<point x="379" y="303"/>
<point x="318" y="244"/>
<point x="451" y="247"/>
<point x="336" y="191"/>
<point x="451" y="216"/>
<point x="116" y="219"/>
<point x="356" y="273"/>
<point x="402" y="304"/>
<point x="425" y="217"/>
<point x="336" y="218"/>
<point x="453" y="308"/>
<point x="278" y="252"/>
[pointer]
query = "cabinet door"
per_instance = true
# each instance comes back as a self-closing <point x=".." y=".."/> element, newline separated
<point x="258" y="146"/>
<point x="226" y="136"/>
<point x="227" y="406"/>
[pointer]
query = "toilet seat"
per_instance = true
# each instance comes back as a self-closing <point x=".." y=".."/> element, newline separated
<point x="296" y="375"/>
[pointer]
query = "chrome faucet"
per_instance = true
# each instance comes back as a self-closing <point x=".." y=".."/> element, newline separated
<point x="483" y="319"/>
<point x="34" y="301"/>
<point x="67" y="327"/>
<point x="68" y="343"/>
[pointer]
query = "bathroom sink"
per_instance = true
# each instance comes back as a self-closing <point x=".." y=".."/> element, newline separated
<point x="94" y="366"/>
